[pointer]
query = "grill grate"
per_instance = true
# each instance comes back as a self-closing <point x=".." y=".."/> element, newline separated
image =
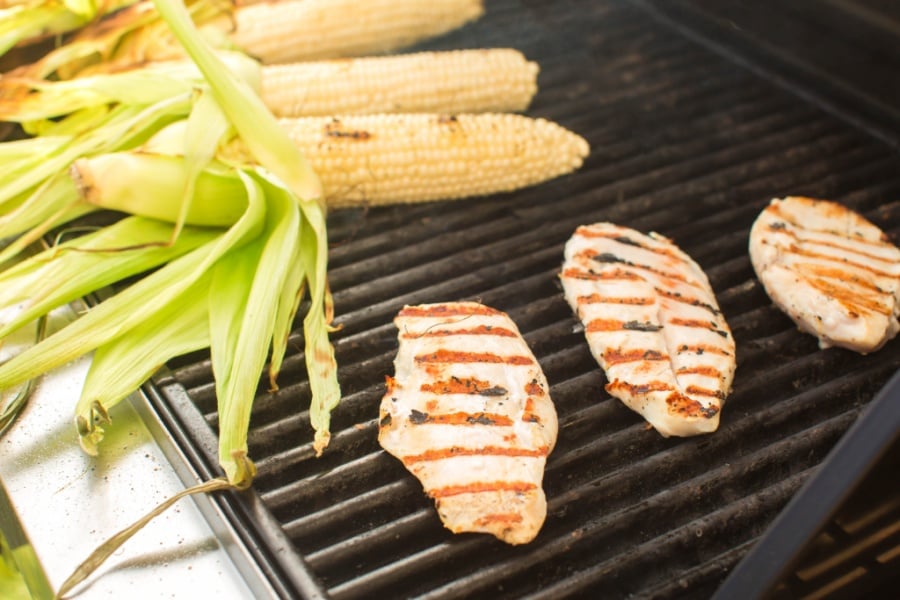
<point x="684" y="143"/>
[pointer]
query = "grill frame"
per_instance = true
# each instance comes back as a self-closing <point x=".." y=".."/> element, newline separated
<point x="759" y="137"/>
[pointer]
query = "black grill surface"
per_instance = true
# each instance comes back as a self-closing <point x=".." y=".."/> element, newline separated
<point x="684" y="142"/>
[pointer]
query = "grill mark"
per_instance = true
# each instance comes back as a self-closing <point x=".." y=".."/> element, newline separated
<point x="335" y="129"/>
<point x="705" y="370"/>
<point x="448" y="310"/>
<point x="528" y="414"/>
<point x="629" y="300"/>
<point x="453" y="451"/>
<point x="534" y="388"/>
<point x="598" y="325"/>
<point x="610" y="258"/>
<point x="826" y="272"/>
<point x="606" y="275"/>
<point x="699" y="391"/>
<point x="797" y="250"/>
<point x="638" y="389"/>
<point x="417" y="417"/>
<point x="615" y="356"/>
<point x="621" y="238"/>
<point x="854" y="303"/>
<point x="502" y="518"/>
<point x="464" y="385"/>
<point x="641" y="326"/>
<point x="479" y="330"/>
<point x="775" y="210"/>
<point x="702" y="349"/>
<point x="697" y="323"/>
<point x="661" y="386"/>
<point x="480" y="487"/>
<point x="835" y="245"/>
<point x="678" y="297"/>
<point x="687" y="407"/>
<point x="456" y="356"/>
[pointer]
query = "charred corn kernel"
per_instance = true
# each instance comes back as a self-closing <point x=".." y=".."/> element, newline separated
<point x="407" y="158"/>
<point x="291" y="30"/>
<point x="485" y="80"/>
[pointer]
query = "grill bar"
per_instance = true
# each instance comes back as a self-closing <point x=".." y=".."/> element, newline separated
<point x="684" y="142"/>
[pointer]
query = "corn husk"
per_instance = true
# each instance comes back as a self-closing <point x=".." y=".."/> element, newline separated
<point x="73" y="269"/>
<point x="122" y="365"/>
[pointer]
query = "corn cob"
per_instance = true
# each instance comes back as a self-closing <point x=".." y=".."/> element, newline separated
<point x="408" y="158"/>
<point x="494" y="80"/>
<point x="292" y="30"/>
<point x="457" y="81"/>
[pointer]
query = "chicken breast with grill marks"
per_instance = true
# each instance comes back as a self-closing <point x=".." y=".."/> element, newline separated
<point x="653" y="324"/>
<point x="469" y="414"/>
<point x="835" y="274"/>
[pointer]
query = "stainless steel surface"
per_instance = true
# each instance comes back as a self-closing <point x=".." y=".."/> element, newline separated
<point x="64" y="503"/>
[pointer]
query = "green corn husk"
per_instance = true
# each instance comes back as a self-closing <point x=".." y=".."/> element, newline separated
<point x="12" y="407"/>
<point x="29" y="21"/>
<point x="65" y="59"/>
<point x="19" y="149"/>
<point x="129" y="247"/>
<point x="321" y="365"/>
<point x="130" y="307"/>
<point x="287" y="305"/>
<point x="120" y="112"/>
<point x="34" y="100"/>
<point x="122" y="365"/>
<point x="35" y="180"/>
<point x="27" y="99"/>
<point x="205" y="129"/>
<point x="116" y="107"/>
<point x="252" y="274"/>
<point x="121" y="41"/>
<point x="53" y="203"/>
<point x="113" y="317"/>
<point x="274" y="150"/>
<point x="107" y="181"/>
<point x="243" y="319"/>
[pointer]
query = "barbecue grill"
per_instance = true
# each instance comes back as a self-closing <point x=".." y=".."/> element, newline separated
<point x="698" y="113"/>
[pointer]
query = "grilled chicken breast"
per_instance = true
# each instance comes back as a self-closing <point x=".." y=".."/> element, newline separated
<point x="833" y="272"/>
<point x="652" y="322"/>
<point x="468" y="413"/>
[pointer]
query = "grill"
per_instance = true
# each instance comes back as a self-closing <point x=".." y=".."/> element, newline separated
<point x="692" y="131"/>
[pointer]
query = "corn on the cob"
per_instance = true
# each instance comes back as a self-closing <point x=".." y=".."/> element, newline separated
<point x="484" y="80"/>
<point x="407" y="158"/>
<point x="291" y="30"/>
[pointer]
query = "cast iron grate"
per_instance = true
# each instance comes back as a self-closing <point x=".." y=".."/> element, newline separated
<point x="684" y="143"/>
